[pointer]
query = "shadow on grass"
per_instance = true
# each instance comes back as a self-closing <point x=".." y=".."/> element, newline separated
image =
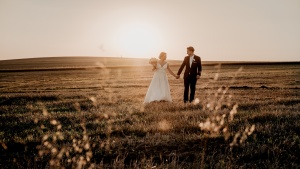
<point x="23" y="100"/>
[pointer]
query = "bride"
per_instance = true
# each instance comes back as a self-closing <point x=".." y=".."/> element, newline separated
<point x="159" y="89"/>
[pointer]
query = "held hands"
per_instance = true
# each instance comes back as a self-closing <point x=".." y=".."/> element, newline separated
<point x="178" y="76"/>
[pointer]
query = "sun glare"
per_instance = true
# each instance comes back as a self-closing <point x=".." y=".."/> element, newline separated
<point x="138" y="41"/>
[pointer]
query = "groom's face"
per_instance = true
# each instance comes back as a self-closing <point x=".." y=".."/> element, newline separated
<point x="189" y="52"/>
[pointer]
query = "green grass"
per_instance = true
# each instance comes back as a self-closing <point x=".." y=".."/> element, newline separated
<point x="95" y="118"/>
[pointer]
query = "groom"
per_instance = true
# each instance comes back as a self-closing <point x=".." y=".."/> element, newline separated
<point x="192" y="73"/>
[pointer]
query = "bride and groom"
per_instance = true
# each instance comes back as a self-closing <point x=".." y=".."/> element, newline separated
<point x="159" y="89"/>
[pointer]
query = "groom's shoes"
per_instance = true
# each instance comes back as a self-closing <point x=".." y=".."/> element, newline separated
<point x="186" y="101"/>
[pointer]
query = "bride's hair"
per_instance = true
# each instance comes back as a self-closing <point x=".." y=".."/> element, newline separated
<point x="162" y="54"/>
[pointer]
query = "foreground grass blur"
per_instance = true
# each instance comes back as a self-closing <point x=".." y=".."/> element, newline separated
<point x="95" y="118"/>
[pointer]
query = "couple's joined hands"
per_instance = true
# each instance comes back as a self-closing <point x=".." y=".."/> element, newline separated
<point x="178" y="76"/>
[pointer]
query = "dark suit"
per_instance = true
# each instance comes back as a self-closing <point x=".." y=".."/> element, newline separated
<point x="190" y="76"/>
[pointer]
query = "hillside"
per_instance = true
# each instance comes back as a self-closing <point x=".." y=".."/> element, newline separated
<point x="73" y="63"/>
<point x="78" y="63"/>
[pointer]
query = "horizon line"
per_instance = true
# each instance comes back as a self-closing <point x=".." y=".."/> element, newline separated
<point x="244" y="61"/>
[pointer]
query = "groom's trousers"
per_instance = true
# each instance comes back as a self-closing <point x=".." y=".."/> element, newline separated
<point x="189" y="83"/>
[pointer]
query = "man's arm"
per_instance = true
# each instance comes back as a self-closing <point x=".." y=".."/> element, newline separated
<point x="181" y="67"/>
<point x="199" y="67"/>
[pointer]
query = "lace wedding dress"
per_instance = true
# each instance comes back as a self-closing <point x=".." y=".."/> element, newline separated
<point x="159" y="89"/>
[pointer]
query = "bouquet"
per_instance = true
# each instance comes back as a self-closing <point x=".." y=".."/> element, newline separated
<point x="153" y="61"/>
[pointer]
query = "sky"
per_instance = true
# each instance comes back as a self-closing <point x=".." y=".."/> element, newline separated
<point x="219" y="30"/>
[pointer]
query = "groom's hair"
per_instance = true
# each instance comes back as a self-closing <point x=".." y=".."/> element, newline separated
<point x="190" y="48"/>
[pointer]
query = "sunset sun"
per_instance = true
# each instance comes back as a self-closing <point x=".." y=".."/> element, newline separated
<point x="138" y="40"/>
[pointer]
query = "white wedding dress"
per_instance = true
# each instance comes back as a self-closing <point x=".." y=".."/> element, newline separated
<point x="159" y="89"/>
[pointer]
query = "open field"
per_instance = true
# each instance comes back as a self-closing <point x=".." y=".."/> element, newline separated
<point x="72" y="63"/>
<point x="62" y="113"/>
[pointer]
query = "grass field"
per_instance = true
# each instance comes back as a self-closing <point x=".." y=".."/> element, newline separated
<point x="81" y="113"/>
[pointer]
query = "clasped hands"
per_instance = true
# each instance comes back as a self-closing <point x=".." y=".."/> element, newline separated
<point x="178" y="76"/>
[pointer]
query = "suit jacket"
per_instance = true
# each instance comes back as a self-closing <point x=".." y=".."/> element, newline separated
<point x="193" y="70"/>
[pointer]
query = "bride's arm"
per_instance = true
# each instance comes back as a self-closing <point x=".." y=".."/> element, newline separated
<point x="170" y="71"/>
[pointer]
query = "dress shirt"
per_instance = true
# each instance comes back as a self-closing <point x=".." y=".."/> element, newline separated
<point x="191" y="60"/>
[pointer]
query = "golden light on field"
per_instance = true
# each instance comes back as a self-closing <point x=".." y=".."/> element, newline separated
<point x="138" y="40"/>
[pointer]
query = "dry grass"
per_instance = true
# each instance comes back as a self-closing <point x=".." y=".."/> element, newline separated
<point x="95" y="118"/>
